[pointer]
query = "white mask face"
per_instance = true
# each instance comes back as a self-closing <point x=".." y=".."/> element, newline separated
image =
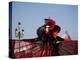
<point x="47" y="28"/>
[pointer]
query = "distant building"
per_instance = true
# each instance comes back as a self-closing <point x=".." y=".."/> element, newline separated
<point x="66" y="36"/>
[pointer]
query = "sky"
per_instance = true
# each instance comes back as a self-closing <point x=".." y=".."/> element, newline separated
<point x="32" y="15"/>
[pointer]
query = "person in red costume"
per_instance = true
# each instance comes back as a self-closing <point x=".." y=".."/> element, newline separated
<point x="43" y="33"/>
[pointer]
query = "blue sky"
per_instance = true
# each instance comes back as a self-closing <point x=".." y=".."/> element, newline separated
<point x="32" y="16"/>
